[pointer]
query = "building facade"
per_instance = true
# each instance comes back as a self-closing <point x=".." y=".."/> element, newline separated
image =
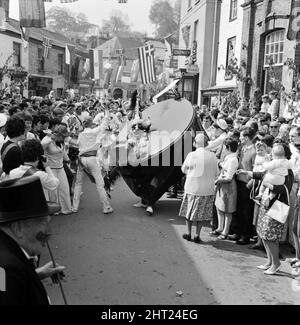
<point x="199" y="28"/>
<point x="229" y="49"/>
<point x="265" y="28"/>
<point x="14" y="56"/>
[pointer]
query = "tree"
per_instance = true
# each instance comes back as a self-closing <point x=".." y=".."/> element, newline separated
<point x="166" y="22"/>
<point x="117" y="24"/>
<point x="64" y="21"/>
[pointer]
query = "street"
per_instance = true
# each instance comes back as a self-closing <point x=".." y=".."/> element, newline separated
<point x="129" y="258"/>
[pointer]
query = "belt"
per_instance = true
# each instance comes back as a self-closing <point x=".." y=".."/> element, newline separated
<point x="89" y="154"/>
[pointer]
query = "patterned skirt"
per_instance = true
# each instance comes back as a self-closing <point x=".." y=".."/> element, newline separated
<point x="226" y="197"/>
<point x="197" y="208"/>
<point x="268" y="228"/>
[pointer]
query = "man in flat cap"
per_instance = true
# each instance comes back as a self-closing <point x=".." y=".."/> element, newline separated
<point x="24" y="228"/>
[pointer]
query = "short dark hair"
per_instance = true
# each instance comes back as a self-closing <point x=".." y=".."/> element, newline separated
<point x="44" y="119"/>
<point x="286" y="148"/>
<point x="53" y="122"/>
<point x="15" y="127"/>
<point x="249" y="132"/>
<point x="254" y="126"/>
<point x="32" y="150"/>
<point x="35" y="120"/>
<point x="268" y="140"/>
<point x="13" y="110"/>
<point x="215" y="112"/>
<point x="231" y="144"/>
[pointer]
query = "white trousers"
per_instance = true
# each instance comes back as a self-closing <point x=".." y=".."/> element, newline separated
<point x="90" y="163"/>
<point x="62" y="195"/>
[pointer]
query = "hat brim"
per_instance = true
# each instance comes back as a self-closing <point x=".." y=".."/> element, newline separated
<point x="53" y="208"/>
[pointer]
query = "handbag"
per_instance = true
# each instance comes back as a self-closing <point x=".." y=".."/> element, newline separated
<point x="279" y="211"/>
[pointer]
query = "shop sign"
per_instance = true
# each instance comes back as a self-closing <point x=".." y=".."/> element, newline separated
<point x="181" y="52"/>
<point x="192" y="69"/>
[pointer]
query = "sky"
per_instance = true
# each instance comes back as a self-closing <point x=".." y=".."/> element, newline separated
<point x="97" y="10"/>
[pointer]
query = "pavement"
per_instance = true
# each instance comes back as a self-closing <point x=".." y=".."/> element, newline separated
<point x="129" y="258"/>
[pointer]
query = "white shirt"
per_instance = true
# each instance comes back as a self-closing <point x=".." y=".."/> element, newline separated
<point x="48" y="180"/>
<point x="98" y="119"/>
<point x="229" y="166"/>
<point x="87" y="140"/>
<point x="216" y="145"/>
<point x="201" y="168"/>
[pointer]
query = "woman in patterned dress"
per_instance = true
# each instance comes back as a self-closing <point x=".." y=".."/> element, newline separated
<point x="268" y="229"/>
<point x="201" y="168"/>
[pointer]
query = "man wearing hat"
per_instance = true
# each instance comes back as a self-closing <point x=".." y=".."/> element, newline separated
<point x="221" y="128"/>
<point x="24" y="228"/>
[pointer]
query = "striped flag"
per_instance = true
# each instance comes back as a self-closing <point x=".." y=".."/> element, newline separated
<point x="147" y="64"/>
<point x="47" y="43"/>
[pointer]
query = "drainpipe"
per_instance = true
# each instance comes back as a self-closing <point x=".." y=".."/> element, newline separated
<point x="214" y="47"/>
<point x="250" y="47"/>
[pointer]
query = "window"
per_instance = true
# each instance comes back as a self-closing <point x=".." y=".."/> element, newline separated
<point x="233" y="10"/>
<point x="17" y="54"/>
<point x="230" y="58"/>
<point x="41" y="63"/>
<point x="274" y="48"/>
<point x="60" y="64"/>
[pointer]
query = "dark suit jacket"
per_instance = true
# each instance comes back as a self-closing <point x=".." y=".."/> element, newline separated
<point x="23" y="286"/>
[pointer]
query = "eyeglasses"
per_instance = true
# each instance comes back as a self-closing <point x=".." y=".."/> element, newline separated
<point x="273" y="127"/>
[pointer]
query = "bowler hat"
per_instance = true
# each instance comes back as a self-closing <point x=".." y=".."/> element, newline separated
<point x="23" y="199"/>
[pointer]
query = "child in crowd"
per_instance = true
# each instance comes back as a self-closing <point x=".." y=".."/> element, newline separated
<point x="277" y="170"/>
<point x="262" y="157"/>
<point x="265" y="104"/>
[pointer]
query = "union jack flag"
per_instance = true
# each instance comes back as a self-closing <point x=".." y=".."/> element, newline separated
<point x="147" y="64"/>
<point x="47" y="43"/>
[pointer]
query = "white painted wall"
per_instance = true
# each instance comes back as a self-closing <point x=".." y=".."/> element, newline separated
<point x="229" y="29"/>
<point x="6" y="49"/>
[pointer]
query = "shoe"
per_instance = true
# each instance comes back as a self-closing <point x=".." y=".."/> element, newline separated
<point x="214" y="233"/>
<point x="108" y="210"/>
<point x="223" y="237"/>
<point x="74" y="210"/>
<point x="268" y="272"/>
<point x="234" y="237"/>
<point x="296" y="271"/>
<point x="243" y="241"/>
<point x="256" y="246"/>
<point x="197" y="240"/>
<point x="140" y="205"/>
<point x="292" y="261"/>
<point x="264" y="267"/>
<point x="187" y="237"/>
<point x="150" y="211"/>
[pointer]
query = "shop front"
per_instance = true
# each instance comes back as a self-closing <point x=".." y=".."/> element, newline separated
<point x="39" y="86"/>
<point x="211" y="97"/>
